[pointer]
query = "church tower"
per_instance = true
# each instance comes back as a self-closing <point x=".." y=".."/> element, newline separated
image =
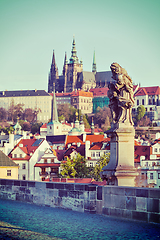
<point x="54" y="127"/>
<point x="94" y="68"/>
<point x="73" y="70"/>
<point x="53" y="75"/>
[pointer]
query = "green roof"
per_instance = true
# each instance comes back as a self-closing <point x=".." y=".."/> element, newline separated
<point x="6" y="161"/>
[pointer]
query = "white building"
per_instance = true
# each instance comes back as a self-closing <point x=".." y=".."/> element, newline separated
<point x="27" y="153"/>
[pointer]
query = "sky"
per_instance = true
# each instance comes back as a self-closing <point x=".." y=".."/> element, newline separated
<point x="123" y="31"/>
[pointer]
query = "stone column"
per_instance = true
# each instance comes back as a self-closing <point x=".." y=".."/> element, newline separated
<point x="120" y="170"/>
<point x="125" y="170"/>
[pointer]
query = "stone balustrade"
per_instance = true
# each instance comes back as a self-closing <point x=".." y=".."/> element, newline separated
<point x="125" y="202"/>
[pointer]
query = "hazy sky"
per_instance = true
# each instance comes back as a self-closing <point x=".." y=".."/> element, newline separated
<point x="123" y="31"/>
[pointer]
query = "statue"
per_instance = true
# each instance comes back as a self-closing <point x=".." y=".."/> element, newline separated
<point x="120" y="170"/>
<point x="120" y="94"/>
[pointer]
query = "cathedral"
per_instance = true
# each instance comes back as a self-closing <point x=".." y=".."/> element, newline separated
<point x="73" y="77"/>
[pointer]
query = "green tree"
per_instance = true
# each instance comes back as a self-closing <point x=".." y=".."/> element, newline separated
<point x="75" y="168"/>
<point x="8" y="130"/>
<point x="68" y="169"/>
<point x="61" y="118"/>
<point x="140" y="112"/>
<point x="85" y="120"/>
<point x="102" y="162"/>
<point x="80" y="166"/>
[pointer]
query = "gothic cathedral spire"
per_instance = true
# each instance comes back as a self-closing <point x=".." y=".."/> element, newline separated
<point x="94" y="68"/>
<point x="53" y="74"/>
<point x="54" y="113"/>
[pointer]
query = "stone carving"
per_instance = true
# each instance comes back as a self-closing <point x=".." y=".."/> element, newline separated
<point x="120" y="94"/>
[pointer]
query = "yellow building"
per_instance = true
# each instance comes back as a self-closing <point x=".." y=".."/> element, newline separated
<point x="8" y="168"/>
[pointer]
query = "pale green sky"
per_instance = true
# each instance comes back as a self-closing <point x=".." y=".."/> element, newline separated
<point x="123" y="31"/>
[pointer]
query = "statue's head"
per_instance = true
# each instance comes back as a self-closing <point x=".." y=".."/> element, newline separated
<point x="115" y="68"/>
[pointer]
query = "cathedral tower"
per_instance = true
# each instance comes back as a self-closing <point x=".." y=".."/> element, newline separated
<point x="53" y="75"/>
<point x="94" y="68"/>
<point x="73" y="70"/>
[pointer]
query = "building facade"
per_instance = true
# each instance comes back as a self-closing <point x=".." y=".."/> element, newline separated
<point x="38" y="100"/>
<point x="149" y="97"/>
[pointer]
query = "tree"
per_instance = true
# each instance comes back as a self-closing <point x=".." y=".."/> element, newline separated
<point x="68" y="170"/>
<point x="144" y="122"/>
<point x="8" y="130"/>
<point x="80" y="166"/>
<point x="3" y="114"/>
<point x="26" y="126"/>
<point x="15" y="111"/>
<point x="68" y="112"/>
<point x="102" y="162"/>
<point x="103" y="117"/>
<point x="35" y="128"/>
<point x="86" y="122"/>
<point x="75" y="167"/>
<point x="140" y="112"/>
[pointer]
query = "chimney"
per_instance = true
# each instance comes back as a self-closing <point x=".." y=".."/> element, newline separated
<point x="11" y="139"/>
<point x="84" y="137"/>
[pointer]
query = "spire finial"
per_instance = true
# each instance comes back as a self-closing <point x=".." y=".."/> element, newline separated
<point x="94" y="68"/>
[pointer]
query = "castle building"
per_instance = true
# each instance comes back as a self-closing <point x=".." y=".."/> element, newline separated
<point x="38" y="100"/>
<point x="73" y="77"/>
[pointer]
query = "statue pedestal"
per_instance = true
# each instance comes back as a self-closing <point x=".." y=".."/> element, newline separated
<point x="120" y="169"/>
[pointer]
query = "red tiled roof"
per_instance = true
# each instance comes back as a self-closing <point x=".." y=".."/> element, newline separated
<point x="97" y="92"/>
<point x="91" y="138"/>
<point x="47" y="165"/>
<point x="27" y="146"/>
<point x="148" y="91"/>
<point x="96" y="130"/>
<point x="141" y="92"/>
<point x="141" y="151"/>
<point x="153" y="90"/>
<point x="44" y="125"/>
<point x="82" y="93"/>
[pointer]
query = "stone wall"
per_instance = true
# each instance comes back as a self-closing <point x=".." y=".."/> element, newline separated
<point x="125" y="202"/>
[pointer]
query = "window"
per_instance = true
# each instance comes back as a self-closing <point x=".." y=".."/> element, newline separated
<point x="155" y="149"/>
<point x="137" y="102"/>
<point x="15" y="155"/>
<point x="142" y="101"/>
<point x="52" y="160"/>
<point x="97" y="154"/>
<point x="23" y="166"/>
<point x="92" y="154"/>
<point x="91" y="164"/>
<point x="24" y="177"/>
<point x="158" y="175"/>
<point x="151" y="175"/>
<point x="45" y="160"/>
<point x="20" y="155"/>
<point x="8" y="172"/>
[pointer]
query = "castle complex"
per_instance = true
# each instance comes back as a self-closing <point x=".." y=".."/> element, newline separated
<point x="73" y="77"/>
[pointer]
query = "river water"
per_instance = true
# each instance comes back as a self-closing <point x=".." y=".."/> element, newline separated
<point x="67" y="224"/>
